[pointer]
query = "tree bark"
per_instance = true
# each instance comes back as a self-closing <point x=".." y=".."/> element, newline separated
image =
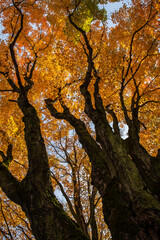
<point x="125" y="175"/>
<point x="35" y="193"/>
<point x="131" y="209"/>
<point x="123" y="172"/>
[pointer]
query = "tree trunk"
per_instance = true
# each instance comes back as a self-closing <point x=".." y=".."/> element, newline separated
<point x="130" y="209"/>
<point x="131" y="206"/>
<point x="46" y="215"/>
<point x="35" y="193"/>
<point x="126" y="176"/>
<point x="124" y="173"/>
<point x="137" y="219"/>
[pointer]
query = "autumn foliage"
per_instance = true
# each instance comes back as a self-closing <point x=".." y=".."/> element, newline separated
<point x="94" y="92"/>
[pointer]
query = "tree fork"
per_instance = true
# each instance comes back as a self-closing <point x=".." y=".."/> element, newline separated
<point x="47" y="217"/>
<point x="35" y="193"/>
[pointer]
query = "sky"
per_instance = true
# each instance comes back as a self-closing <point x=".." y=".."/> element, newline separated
<point x="112" y="7"/>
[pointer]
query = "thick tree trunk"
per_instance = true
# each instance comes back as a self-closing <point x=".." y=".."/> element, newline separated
<point x="137" y="219"/>
<point x="131" y="206"/>
<point x="126" y="176"/>
<point x="46" y="215"/>
<point x="35" y="193"/>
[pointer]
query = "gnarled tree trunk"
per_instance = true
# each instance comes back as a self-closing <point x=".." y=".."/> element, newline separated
<point x="124" y="173"/>
<point x="131" y="207"/>
<point x="35" y="193"/>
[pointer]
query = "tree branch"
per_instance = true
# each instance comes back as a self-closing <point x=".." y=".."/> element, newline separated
<point x="132" y="39"/>
<point x="151" y="101"/>
<point x="85" y="138"/>
<point x="115" y="120"/>
<point x="11" y="47"/>
<point x="9" y="184"/>
<point x="9" y="232"/>
<point x="65" y="196"/>
<point x="7" y="159"/>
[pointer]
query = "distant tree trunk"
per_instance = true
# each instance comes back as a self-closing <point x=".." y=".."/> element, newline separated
<point x="35" y="193"/>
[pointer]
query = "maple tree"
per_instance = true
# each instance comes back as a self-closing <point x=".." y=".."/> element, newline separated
<point x="70" y="172"/>
<point x="59" y="63"/>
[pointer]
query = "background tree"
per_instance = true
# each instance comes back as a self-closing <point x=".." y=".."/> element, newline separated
<point x="71" y="172"/>
<point x="13" y="221"/>
<point x="117" y="73"/>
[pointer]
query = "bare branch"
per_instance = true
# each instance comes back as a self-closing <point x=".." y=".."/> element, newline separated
<point x="7" y="158"/>
<point x="10" y="81"/>
<point x="65" y="196"/>
<point x="115" y="120"/>
<point x="9" y="232"/>
<point x="11" y="47"/>
<point x="141" y="61"/>
<point x="6" y="90"/>
<point x="151" y="101"/>
<point x="132" y="40"/>
<point x="23" y="231"/>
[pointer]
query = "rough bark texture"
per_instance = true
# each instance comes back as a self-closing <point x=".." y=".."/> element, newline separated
<point x="126" y="176"/>
<point x="46" y="215"/>
<point x="124" y="173"/>
<point x="35" y="194"/>
<point x="131" y="207"/>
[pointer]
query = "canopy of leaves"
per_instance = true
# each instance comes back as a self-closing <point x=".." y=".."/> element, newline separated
<point x="51" y="54"/>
